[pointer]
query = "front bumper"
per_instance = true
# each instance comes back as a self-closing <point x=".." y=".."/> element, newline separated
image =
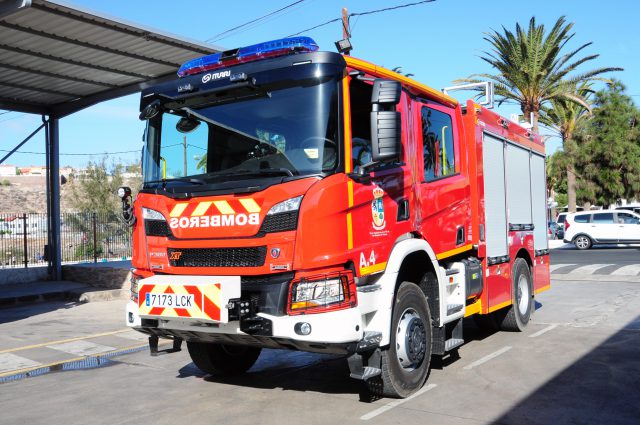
<point x="332" y="332"/>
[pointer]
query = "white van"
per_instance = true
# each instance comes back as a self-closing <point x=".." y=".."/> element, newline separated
<point x="585" y="229"/>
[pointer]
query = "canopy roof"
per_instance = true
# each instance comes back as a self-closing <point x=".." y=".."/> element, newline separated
<point x="56" y="59"/>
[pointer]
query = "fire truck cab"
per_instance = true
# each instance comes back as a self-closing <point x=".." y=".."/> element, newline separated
<point x="313" y="201"/>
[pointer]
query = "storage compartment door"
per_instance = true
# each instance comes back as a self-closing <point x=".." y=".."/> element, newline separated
<point x="539" y="202"/>
<point x="494" y="196"/>
<point x="518" y="186"/>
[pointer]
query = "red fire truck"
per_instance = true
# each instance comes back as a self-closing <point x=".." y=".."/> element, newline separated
<point x="313" y="201"/>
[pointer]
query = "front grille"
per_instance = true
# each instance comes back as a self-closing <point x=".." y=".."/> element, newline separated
<point x="217" y="257"/>
<point x="280" y="222"/>
<point x="156" y="228"/>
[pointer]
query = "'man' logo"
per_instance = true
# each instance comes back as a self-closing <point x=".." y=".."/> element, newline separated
<point x="175" y="255"/>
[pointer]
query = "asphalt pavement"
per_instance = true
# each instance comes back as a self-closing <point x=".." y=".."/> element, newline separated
<point x="64" y="362"/>
<point x="575" y="363"/>
<point x="616" y="260"/>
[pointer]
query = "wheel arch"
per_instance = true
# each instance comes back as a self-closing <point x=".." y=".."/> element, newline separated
<point x="409" y="259"/>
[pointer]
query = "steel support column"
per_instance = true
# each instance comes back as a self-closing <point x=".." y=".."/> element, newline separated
<point x="53" y="186"/>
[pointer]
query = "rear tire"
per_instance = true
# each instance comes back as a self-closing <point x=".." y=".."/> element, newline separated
<point x="516" y="317"/>
<point x="221" y="359"/>
<point x="405" y="363"/>
<point x="582" y="242"/>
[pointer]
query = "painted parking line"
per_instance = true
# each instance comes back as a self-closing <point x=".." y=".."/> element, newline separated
<point x="589" y="268"/>
<point x="630" y="270"/>
<point x="9" y="361"/>
<point x="396" y="403"/>
<point x="487" y="358"/>
<point x="134" y="335"/>
<point x="62" y="341"/>
<point x="81" y="348"/>
<point x="543" y="331"/>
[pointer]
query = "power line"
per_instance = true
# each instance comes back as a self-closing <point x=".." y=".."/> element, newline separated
<point x="218" y="36"/>
<point x="89" y="154"/>
<point x="317" y="26"/>
<point x="369" y="12"/>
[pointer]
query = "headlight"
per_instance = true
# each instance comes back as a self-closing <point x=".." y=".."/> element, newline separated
<point x="149" y="214"/>
<point x="292" y="204"/>
<point x="322" y="293"/>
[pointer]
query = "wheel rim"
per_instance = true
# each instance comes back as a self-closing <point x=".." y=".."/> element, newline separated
<point x="582" y="242"/>
<point x="411" y="344"/>
<point x="522" y="294"/>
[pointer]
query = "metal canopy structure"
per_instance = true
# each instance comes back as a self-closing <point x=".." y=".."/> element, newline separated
<point x="56" y="59"/>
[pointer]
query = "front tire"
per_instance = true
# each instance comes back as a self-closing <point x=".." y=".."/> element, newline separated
<point x="221" y="359"/>
<point x="582" y="242"/>
<point x="516" y="317"/>
<point x="405" y="363"/>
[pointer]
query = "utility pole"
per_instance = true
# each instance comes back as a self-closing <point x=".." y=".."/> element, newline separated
<point x="184" y="146"/>
<point x="345" y="26"/>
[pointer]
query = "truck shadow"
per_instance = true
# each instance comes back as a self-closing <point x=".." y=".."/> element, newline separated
<point x="289" y="371"/>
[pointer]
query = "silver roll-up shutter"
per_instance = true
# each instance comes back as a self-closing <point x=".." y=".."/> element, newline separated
<point x="539" y="202"/>
<point x="518" y="185"/>
<point x="494" y="196"/>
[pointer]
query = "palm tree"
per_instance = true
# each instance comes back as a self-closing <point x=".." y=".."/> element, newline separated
<point x="563" y="117"/>
<point x="532" y="68"/>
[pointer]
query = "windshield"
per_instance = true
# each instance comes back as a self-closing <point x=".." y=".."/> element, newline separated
<point x="286" y="131"/>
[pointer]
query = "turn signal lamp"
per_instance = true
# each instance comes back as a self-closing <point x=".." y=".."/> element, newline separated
<point x="269" y="49"/>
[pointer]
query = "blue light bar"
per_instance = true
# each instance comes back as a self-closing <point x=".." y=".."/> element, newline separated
<point x="255" y="52"/>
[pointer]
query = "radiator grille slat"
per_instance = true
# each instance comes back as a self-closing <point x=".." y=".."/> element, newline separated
<point x="217" y="257"/>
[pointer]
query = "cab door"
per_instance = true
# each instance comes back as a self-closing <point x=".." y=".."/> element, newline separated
<point x="444" y="189"/>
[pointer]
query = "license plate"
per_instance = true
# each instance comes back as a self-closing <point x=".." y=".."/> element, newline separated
<point x="169" y="300"/>
<point x="190" y="298"/>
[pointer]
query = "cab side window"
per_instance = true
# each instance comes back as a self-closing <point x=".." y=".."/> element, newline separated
<point x="360" y="98"/>
<point x="437" y="144"/>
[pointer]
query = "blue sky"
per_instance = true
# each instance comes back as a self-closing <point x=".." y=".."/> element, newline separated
<point x="437" y="42"/>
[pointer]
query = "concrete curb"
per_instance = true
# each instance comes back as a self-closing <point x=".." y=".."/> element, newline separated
<point x="83" y="295"/>
<point x="101" y="295"/>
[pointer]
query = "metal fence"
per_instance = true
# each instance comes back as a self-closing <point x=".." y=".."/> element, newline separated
<point x="84" y="238"/>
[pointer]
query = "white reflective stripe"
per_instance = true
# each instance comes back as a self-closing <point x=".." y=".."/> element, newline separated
<point x="630" y="270"/>
<point x="9" y="362"/>
<point x="555" y="267"/>
<point x="589" y="268"/>
<point x="81" y="348"/>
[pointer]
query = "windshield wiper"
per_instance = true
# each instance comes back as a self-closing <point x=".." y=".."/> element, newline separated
<point x="188" y="180"/>
<point x="179" y="179"/>
<point x="265" y="171"/>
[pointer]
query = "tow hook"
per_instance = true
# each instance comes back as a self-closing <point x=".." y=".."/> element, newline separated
<point x="153" y="346"/>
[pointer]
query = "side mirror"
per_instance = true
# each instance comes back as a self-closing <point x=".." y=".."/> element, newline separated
<point x="150" y="111"/>
<point x="124" y="193"/>
<point x="386" y="122"/>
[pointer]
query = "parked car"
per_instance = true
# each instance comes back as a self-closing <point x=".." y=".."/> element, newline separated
<point x="555" y="230"/>
<point x="630" y="207"/>
<point x="585" y="229"/>
<point x="561" y="218"/>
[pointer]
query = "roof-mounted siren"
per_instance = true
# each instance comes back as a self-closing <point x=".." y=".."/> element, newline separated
<point x="486" y="86"/>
